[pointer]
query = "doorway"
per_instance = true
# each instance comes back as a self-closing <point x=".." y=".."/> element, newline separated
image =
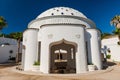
<point x="62" y="57"/>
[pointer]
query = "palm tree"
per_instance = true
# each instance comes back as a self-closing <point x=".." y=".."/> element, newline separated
<point x="3" y="23"/>
<point x="116" y="22"/>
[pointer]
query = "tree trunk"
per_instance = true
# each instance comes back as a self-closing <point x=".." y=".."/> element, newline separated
<point x="18" y="51"/>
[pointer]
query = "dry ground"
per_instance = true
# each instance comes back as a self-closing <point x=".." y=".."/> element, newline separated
<point x="6" y="73"/>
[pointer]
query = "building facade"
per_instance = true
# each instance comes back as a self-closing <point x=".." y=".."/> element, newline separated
<point x="61" y="38"/>
<point x="8" y="49"/>
<point x="111" y="47"/>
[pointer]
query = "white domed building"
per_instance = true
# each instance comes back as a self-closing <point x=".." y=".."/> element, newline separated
<point x="61" y="38"/>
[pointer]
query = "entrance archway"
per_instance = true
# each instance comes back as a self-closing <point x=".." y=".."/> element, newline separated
<point x="62" y="57"/>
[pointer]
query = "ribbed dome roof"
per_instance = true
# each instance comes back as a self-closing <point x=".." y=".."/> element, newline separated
<point x="61" y="11"/>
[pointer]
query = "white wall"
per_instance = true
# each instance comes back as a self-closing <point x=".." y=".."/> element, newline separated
<point x="53" y="33"/>
<point x="5" y="52"/>
<point x="5" y="49"/>
<point x="37" y="23"/>
<point x="94" y="52"/>
<point x="30" y="42"/>
<point x="111" y="44"/>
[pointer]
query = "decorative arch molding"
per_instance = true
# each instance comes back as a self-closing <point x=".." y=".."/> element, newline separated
<point x="63" y="41"/>
<point x="62" y="55"/>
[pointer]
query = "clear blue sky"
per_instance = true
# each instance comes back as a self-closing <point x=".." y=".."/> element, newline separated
<point x="19" y="13"/>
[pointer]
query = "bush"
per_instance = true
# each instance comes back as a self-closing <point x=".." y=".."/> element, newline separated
<point x="108" y="56"/>
<point x="37" y="63"/>
<point x="90" y="64"/>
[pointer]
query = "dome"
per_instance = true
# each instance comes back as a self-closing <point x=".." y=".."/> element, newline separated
<point x="57" y="11"/>
<point x="61" y="15"/>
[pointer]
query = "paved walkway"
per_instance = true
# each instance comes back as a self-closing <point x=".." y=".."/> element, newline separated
<point x="9" y="73"/>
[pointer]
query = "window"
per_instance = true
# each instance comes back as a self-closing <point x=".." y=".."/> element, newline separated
<point x="39" y="50"/>
<point x="72" y="14"/>
<point x="52" y="14"/>
<point x="66" y="9"/>
<point x="11" y="51"/>
<point x="60" y="55"/>
<point x="62" y="13"/>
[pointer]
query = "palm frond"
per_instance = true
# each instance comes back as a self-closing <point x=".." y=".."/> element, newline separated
<point x="115" y="20"/>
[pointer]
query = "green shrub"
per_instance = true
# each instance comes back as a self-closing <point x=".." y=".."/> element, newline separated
<point x="108" y="56"/>
<point x="37" y="63"/>
<point x="90" y="64"/>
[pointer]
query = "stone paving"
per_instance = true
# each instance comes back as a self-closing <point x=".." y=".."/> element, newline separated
<point x="10" y="73"/>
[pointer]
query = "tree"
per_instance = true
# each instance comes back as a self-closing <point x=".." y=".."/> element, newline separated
<point x="1" y="35"/>
<point x="116" y="22"/>
<point x="3" y="23"/>
<point x="15" y="35"/>
<point x="104" y="35"/>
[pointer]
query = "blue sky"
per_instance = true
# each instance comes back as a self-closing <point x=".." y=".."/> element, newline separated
<point x="19" y="13"/>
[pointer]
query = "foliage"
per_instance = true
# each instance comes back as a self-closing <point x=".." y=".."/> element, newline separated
<point x="3" y="23"/>
<point x="108" y="56"/>
<point x="116" y="31"/>
<point x="103" y="35"/>
<point x="115" y="20"/>
<point x="1" y="35"/>
<point x="14" y="35"/>
<point x="90" y="64"/>
<point x="37" y="63"/>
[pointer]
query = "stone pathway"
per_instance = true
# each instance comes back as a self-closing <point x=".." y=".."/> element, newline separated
<point x="9" y="73"/>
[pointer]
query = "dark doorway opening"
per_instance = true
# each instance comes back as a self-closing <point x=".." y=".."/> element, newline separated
<point x="62" y="57"/>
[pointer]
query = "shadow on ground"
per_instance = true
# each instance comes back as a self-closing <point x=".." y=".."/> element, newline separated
<point x="108" y="64"/>
<point x="5" y="65"/>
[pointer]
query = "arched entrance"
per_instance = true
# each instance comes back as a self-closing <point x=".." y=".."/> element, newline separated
<point x="62" y="57"/>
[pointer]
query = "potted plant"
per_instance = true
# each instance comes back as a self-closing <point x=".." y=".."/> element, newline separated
<point x="91" y="67"/>
<point x="108" y="56"/>
<point x="36" y="66"/>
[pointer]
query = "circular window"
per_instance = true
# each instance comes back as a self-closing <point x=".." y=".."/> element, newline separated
<point x="52" y="14"/>
<point x="62" y="13"/>
<point x="72" y="14"/>
<point x="11" y="51"/>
